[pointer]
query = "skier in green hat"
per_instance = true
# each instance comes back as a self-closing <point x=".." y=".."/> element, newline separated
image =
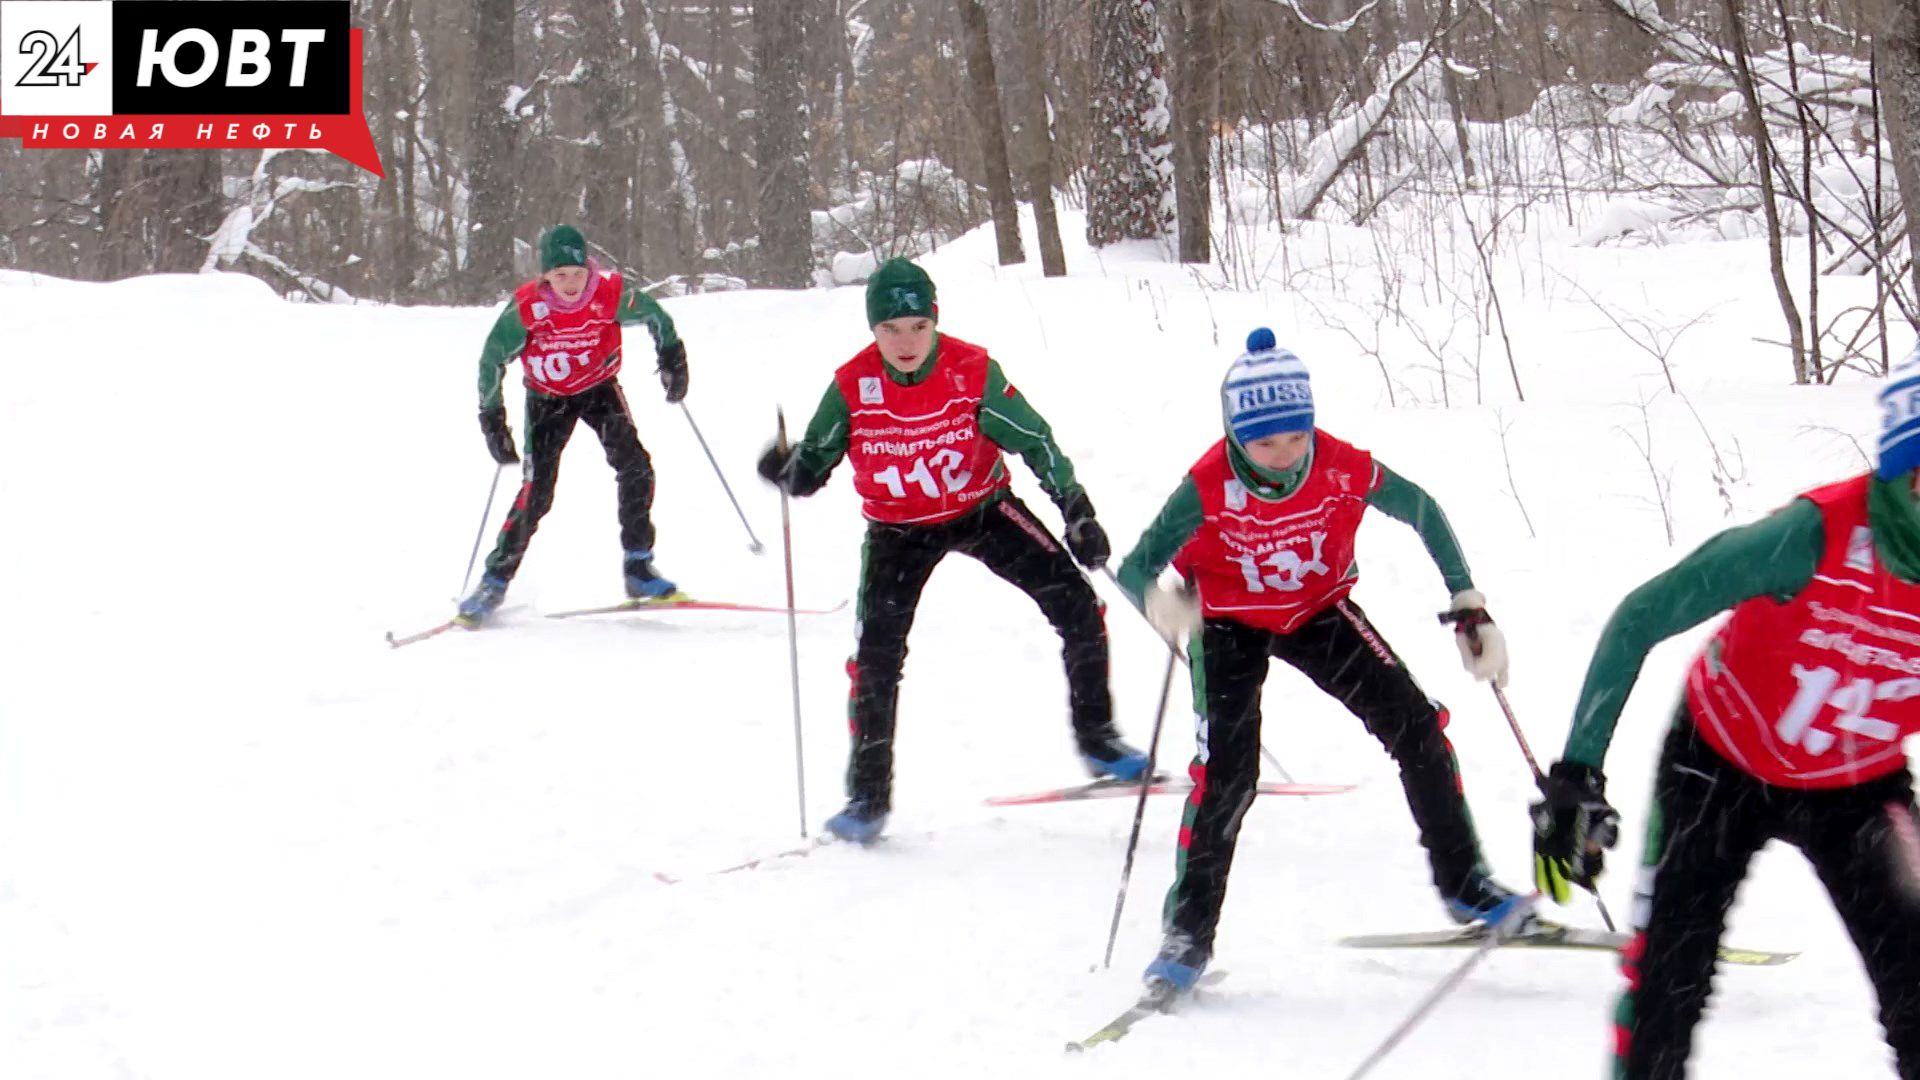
<point x="922" y="418"/>
<point x="565" y="328"/>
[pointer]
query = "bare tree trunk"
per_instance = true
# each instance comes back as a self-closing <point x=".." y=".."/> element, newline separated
<point x="1196" y="103"/>
<point x="993" y="131"/>
<point x="608" y="150"/>
<point x="727" y="172"/>
<point x="1763" y="164"/>
<point x="490" y="177"/>
<point x="786" y="231"/>
<point x="1815" y="363"/>
<point x="829" y="70"/>
<point x="115" y="206"/>
<point x="398" y="243"/>
<point x="1897" y="52"/>
<point x="1451" y="83"/>
<point x="665" y="162"/>
<point x="407" y="244"/>
<point x="1032" y="135"/>
<point x="184" y="206"/>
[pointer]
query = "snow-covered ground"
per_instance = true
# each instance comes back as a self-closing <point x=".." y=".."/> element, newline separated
<point x="241" y="838"/>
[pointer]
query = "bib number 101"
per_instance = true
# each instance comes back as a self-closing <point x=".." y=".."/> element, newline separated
<point x="952" y="476"/>
<point x="554" y="367"/>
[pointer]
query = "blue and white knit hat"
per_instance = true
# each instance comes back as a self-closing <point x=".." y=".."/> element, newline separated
<point x="1267" y="392"/>
<point x="1900" y="419"/>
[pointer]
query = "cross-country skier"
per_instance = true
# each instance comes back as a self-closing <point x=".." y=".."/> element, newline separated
<point x="922" y="418"/>
<point x="565" y="328"/>
<point x="1790" y="729"/>
<point x="1261" y="532"/>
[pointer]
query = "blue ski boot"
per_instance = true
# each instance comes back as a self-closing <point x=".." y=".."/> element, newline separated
<point x="1484" y="900"/>
<point x="1107" y="757"/>
<point x="1177" y="969"/>
<point x="482" y="602"/>
<point x="643" y="583"/>
<point x="860" y="823"/>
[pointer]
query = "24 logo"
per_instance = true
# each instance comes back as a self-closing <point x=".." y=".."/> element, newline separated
<point x="55" y="63"/>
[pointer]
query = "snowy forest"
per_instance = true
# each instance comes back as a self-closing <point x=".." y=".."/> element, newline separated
<point x="712" y="146"/>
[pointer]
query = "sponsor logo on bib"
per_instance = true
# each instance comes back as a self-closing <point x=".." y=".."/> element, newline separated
<point x="1860" y="549"/>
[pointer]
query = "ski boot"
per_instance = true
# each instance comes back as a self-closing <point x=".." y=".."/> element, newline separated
<point x="482" y="602"/>
<point x="1177" y="969"/>
<point x="860" y="823"/>
<point x="1486" y="901"/>
<point x="1108" y="758"/>
<point x="643" y="583"/>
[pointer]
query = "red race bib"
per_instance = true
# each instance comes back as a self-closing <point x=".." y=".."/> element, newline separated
<point x="1818" y="692"/>
<point x="1276" y="564"/>
<point x="917" y="453"/>
<point x="573" y="348"/>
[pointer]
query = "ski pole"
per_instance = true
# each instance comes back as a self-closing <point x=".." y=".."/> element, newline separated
<point x="753" y="542"/>
<point x="1533" y="763"/>
<point x="793" y="626"/>
<point x="1454" y="618"/>
<point x="1180" y="655"/>
<point x="1140" y="810"/>
<point x="481" y="532"/>
<point x="1495" y="937"/>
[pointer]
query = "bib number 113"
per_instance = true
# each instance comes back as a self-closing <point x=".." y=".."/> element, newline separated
<point x="921" y="474"/>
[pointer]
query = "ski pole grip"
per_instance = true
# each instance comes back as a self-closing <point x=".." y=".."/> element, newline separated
<point x="1463" y="622"/>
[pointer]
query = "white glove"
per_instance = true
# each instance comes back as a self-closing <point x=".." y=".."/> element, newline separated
<point x="1483" y="648"/>
<point x="1174" y="611"/>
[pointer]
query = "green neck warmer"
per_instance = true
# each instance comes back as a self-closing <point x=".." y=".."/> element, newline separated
<point x="1266" y="483"/>
<point x="1895" y="518"/>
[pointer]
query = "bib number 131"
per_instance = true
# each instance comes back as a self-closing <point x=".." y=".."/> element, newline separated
<point x="921" y="474"/>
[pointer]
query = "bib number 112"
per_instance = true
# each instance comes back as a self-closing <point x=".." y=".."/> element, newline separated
<point x="921" y="475"/>
<point x="1820" y="688"/>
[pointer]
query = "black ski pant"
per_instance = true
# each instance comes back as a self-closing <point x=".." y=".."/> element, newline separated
<point x="550" y="422"/>
<point x="1709" y="818"/>
<point x="1346" y="657"/>
<point x="896" y="562"/>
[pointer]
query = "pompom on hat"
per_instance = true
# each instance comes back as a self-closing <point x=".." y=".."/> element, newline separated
<point x="1267" y="392"/>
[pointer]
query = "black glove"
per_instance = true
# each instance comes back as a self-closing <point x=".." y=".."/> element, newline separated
<point x="493" y="424"/>
<point x="1085" y="538"/>
<point x="1572" y="828"/>
<point x="781" y="468"/>
<point x="773" y="465"/>
<point x="673" y="371"/>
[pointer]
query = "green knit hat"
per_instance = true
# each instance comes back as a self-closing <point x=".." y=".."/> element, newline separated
<point x="560" y="246"/>
<point x="899" y="290"/>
